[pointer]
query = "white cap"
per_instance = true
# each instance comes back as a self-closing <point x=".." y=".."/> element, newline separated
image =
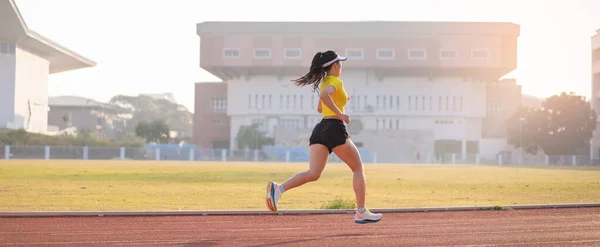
<point x="338" y="58"/>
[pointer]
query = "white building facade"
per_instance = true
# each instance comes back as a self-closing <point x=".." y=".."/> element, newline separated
<point x="26" y="61"/>
<point x="410" y="90"/>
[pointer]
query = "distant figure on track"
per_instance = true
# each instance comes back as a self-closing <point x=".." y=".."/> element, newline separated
<point x="328" y="136"/>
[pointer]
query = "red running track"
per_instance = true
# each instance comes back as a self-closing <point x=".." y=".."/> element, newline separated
<point x="547" y="227"/>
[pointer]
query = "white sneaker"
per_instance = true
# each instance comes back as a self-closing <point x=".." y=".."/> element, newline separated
<point x="366" y="217"/>
<point x="273" y="195"/>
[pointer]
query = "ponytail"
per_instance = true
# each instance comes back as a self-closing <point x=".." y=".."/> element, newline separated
<point x="315" y="74"/>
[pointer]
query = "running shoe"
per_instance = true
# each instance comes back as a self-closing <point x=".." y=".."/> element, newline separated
<point x="273" y="196"/>
<point x="366" y="217"/>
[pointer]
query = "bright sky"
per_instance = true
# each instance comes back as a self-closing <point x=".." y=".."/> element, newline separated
<point x="144" y="46"/>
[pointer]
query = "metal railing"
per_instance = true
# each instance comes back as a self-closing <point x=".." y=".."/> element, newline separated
<point x="277" y="154"/>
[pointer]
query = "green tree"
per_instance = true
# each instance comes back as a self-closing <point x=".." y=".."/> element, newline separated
<point x="570" y="125"/>
<point x="145" y="108"/>
<point x="563" y="125"/>
<point x="251" y="137"/>
<point x="525" y="128"/>
<point x="156" y="131"/>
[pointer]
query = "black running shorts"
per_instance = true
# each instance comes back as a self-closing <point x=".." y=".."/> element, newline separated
<point x="329" y="132"/>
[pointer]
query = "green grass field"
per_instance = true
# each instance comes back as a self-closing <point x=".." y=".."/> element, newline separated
<point x="146" y="185"/>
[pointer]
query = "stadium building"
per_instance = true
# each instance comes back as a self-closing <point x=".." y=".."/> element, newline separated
<point x="595" y="143"/>
<point x="418" y="89"/>
<point x="26" y="60"/>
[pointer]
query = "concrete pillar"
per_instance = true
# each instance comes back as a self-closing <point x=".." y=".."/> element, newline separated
<point x="192" y="153"/>
<point x="256" y="155"/>
<point x="464" y="148"/>
<point x="157" y="154"/>
<point x="499" y="159"/>
<point x="574" y="160"/>
<point x="428" y="158"/>
<point x="546" y="160"/>
<point x="223" y="155"/>
<point x="287" y="156"/>
<point x="7" y="152"/>
<point x="122" y="153"/>
<point x="477" y="159"/>
<point x="47" y="152"/>
<point x="85" y="153"/>
<point x="453" y="158"/>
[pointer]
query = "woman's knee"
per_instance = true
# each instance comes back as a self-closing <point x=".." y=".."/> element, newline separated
<point x="313" y="175"/>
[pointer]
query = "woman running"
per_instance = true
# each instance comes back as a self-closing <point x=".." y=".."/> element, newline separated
<point x="328" y="136"/>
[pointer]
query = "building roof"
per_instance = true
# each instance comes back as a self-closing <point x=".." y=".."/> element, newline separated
<point x="360" y="27"/>
<point x="75" y="101"/>
<point x="14" y="30"/>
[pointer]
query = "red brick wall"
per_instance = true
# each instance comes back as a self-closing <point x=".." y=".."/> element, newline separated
<point x="210" y="126"/>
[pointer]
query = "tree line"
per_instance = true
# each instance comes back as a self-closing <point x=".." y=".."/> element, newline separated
<point x="563" y="125"/>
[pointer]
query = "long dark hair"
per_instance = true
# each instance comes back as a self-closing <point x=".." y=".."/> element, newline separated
<point x="317" y="72"/>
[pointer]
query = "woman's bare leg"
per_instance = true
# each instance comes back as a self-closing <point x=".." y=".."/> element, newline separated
<point x="319" y="154"/>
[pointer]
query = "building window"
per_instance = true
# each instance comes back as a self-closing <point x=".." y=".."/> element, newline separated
<point x="270" y="101"/>
<point x="301" y="101"/>
<point x="231" y="53"/>
<point x="397" y="124"/>
<point x="447" y="54"/>
<point x="440" y="103"/>
<point x="287" y="101"/>
<point x="7" y="49"/>
<point x="292" y="53"/>
<point x="386" y="54"/>
<point x="480" y="54"/>
<point x="281" y="101"/>
<point x="312" y="101"/>
<point x="218" y="104"/>
<point x="431" y="103"/>
<point x="443" y="121"/>
<point x="397" y="102"/>
<point x="417" y="54"/>
<point x="391" y="124"/>
<point x="256" y="101"/>
<point x="264" y="98"/>
<point x="354" y="53"/>
<point x="423" y="102"/>
<point x="220" y="122"/>
<point x="447" y="103"/>
<point x="377" y="98"/>
<point x="454" y="103"/>
<point x="417" y="103"/>
<point x="289" y="123"/>
<point x="409" y="102"/>
<point x="294" y="106"/>
<point x="262" y="53"/>
<point x="383" y="102"/>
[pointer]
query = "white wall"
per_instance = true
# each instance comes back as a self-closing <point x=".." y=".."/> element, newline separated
<point x="462" y="121"/>
<point x="31" y="90"/>
<point x="366" y="90"/>
<point x="7" y="89"/>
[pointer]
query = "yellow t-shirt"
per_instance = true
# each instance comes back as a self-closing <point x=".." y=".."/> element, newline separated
<point x="339" y="97"/>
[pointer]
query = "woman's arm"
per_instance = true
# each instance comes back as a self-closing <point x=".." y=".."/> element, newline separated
<point x="319" y="106"/>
